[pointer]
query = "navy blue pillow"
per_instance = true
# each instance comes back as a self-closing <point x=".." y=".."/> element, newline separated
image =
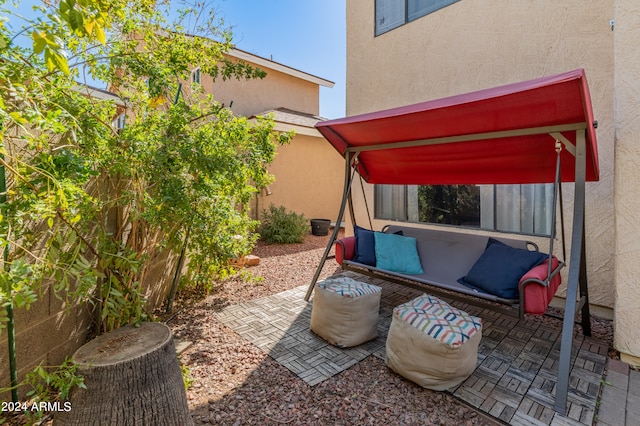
<point x="494" y="241"/>
<point x="365" y="246"/>
<point x="499" y="269"/>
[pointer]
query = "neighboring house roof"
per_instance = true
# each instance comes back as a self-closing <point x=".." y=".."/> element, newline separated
<point x="269" y="63"/>
<point x="288" y="119"/>
<point x="102" y="94"/>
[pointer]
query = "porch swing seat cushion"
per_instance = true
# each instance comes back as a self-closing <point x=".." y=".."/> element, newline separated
<point x="445" y="256"/>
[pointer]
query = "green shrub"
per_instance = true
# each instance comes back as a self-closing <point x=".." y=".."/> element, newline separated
<point x="281" y="227"/>
<point x="48" y="387"/>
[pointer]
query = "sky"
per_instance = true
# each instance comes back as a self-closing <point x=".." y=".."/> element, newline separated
<point x="309" y="35"/>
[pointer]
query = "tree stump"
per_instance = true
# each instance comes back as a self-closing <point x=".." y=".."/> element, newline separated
<point x="132" y="378"/>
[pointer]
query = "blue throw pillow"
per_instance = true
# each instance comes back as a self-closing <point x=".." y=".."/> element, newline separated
<point x="499" y="269"/>
<point x="397" y="253"/>
<point x="365" y="246"/>
<point x="494" y="241"/>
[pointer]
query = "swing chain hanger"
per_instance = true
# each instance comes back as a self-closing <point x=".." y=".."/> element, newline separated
<point x="354" y="160"/>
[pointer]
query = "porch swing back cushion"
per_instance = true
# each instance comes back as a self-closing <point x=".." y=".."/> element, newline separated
<point x="499" y="269"/>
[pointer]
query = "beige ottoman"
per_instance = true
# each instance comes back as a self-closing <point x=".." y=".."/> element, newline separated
<point x="432" y="343"/>
<point x="345" y="311"/>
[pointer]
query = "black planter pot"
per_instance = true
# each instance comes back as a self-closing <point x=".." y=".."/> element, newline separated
<point x="320" y="227"/>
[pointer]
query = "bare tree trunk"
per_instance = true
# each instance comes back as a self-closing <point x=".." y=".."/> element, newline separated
<point x="132" y="378"/>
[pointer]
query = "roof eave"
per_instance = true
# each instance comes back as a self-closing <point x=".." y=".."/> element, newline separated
<point x="266" y="63"/>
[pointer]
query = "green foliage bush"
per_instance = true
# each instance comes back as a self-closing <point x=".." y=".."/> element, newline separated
<point x="89" y="207"/>
<point x="50" y="386"/>
<point x="282" y="227"/>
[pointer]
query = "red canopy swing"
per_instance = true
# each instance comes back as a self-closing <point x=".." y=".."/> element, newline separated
<point x="502" y="135"/>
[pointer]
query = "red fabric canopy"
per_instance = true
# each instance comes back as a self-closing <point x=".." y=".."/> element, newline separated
<point x="494" y="136"/>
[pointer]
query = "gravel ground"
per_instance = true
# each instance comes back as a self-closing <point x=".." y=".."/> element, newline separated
<point x="235" y="383"/>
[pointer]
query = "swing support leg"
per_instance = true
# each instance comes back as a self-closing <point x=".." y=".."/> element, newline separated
<point x="577" y="278"/>
<point x="584" y="291"/>
<point x="346" y="195"/>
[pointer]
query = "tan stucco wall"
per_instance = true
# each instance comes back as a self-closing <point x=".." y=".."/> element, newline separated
<point x="627" y="178"/>
<point x="255" y="96"/>
<point x="309" y="173"/>
<point x="309" y="178"/>
<point x="47" y="333"/>
<point x="52" y="330"/>
<point x="473" y="45"/>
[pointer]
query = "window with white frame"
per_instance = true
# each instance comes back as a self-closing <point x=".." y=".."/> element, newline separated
<point x="525" y="209"/>
<point x="195" y="76"/>
<point x="390" y="14"/>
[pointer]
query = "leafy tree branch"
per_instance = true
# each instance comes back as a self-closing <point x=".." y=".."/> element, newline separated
<point x="88" y="207"/>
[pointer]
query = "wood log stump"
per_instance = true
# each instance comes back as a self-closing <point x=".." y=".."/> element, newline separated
<point x="132" y="377"/>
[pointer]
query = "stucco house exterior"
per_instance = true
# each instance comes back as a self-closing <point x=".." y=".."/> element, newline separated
<point x="401" y="52"/>
<point x="307" y="170"/>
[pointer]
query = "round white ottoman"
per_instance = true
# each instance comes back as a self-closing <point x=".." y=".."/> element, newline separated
<point x="432" y="343"/>
<point x="345" y="311"/>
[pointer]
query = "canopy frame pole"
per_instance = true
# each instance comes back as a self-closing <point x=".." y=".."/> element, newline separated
<point x="577" y="276"/>
<point x="553" y="130"/>
<point x="564" y="245"/>
<point x="556" y="183"/>
<point x="346" y="195"/>
<point x="352" y="214"/>
<point x="366" y="204"/>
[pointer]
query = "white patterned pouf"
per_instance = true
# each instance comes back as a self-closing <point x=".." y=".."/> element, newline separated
<point x="432" y="343"/>
<point x="345" y="311"/>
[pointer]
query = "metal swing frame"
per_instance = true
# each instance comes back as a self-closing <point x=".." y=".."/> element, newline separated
<point x="577" y="275"/>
